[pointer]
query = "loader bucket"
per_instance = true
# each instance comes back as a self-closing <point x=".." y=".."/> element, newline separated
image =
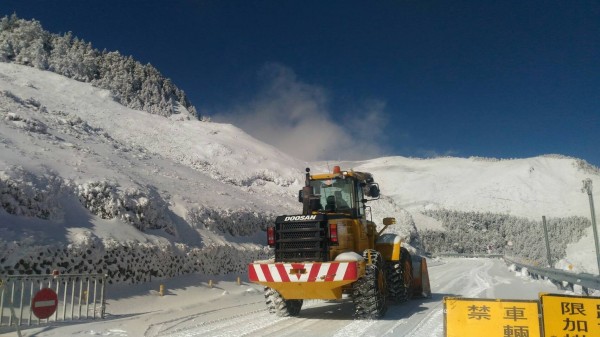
<point x="420" y="285"/>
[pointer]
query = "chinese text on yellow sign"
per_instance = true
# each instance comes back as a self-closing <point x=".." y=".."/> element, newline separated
<point x="570" y="316"/>
<point x="469" y="317"/>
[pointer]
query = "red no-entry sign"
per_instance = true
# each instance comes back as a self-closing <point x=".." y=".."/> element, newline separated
<point x="44" y="303"/>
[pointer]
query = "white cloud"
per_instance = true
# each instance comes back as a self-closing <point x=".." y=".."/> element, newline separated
<point x="295" y="117"/>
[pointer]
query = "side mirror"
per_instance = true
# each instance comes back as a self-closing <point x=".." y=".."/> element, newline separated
<point x="300" y="196"/>
<point x="374" y="191"/>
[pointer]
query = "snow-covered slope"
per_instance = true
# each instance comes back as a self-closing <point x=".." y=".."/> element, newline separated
<point x="78" y="169"/>
<point x="531" y="187"/>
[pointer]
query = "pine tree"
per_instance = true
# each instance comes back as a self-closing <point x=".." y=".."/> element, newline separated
<point x="135" y="85"/>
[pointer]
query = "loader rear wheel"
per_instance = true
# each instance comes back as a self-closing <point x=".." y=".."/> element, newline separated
<point x="399" y="277"/>
<point x="280" y="306"/>
<point x="369" y="292"/>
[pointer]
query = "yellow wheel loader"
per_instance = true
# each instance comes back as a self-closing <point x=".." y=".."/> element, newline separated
<point x="333" y="249"/>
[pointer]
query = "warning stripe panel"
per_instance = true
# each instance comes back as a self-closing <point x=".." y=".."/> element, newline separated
<point x="266" y="272"/>
<point x="351" y="272"/>
<point x="299" y="272"/>
<point x="331" y="274"/>
<point x="252" y="273"/>
<point x="314" y="271"/>
<point x="281" y="271"/>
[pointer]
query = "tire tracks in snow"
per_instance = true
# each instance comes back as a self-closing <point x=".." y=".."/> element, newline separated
<point x="242" y="324"/>
<point x="159" y="329"/>
<point x="477" y="280"/>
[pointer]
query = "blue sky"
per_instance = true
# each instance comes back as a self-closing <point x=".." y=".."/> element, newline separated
<point x="356" y="80"/>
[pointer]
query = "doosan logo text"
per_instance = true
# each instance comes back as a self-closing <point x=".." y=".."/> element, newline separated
<point x="300" y="218"/>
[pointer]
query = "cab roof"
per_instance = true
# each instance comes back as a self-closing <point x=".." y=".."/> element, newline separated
<point x="360" y="176"/>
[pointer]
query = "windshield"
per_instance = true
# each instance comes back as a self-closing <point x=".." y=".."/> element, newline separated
<point x="335" y="195"/>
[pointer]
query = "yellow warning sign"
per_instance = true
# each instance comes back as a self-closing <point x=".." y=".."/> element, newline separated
<point x="570" y="316"/>
<point x="476" y="317"/>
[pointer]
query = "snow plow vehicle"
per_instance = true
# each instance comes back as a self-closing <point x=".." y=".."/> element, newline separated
<point x="332" y="249"/>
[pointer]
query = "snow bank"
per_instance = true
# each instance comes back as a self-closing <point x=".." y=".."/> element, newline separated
<point x="24" y="194"/>
<point x="143" y="209"/>
<point x="242" y="222"/>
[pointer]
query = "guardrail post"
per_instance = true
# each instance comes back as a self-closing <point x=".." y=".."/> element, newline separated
<point x="587" y="187"/>
<point x="584" y="291"/>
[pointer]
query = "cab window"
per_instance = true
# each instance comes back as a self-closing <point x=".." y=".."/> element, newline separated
<point x="335" y="195"/>
<point x="359" y="196"/>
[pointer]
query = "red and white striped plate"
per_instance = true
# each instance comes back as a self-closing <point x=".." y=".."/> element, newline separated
<point x="302" y="272"/>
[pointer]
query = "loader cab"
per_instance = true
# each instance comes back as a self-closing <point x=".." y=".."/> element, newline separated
<point x="336" y="196"/>
<point x="340" y="193"/>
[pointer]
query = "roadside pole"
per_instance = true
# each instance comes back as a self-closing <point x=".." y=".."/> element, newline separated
<point x="547" y="241"/>
<point x="587" y="187"/>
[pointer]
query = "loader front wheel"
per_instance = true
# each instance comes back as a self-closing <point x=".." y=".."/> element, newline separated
<point x="400" y="278"/>
<point x="280" y="306"/>
<point x="369" y="292"/>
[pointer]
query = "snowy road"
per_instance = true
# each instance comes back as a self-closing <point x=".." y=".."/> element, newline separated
<point x="417" y="318"/>
<point x="191" y="308"/>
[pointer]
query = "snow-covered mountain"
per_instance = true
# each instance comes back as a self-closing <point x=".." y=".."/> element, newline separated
<point x="79" y="171"/>
<point x="532" y="187"/>
<point x="82" y="174"/>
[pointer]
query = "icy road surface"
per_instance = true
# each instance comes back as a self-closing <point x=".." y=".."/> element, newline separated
<point x="191" y="308"/>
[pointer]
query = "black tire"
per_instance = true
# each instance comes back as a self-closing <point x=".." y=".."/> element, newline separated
<point x="369" y="293"/>
<point x="280" y="306"/>
<point x="399" y="278"/>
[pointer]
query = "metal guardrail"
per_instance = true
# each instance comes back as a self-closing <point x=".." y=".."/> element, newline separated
<point x="586" y="281"/>
<point x="449" y="254"/>
<point x="79" y="296"/>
